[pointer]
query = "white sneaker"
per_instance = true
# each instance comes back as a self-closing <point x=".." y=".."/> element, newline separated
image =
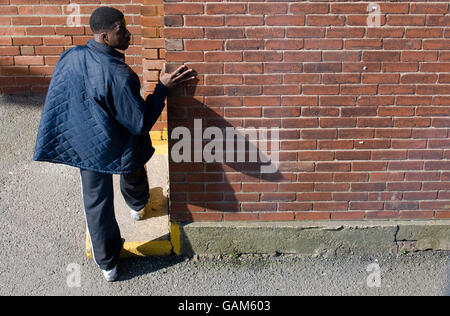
<point x="137" y="215"/>
<point x="111" y="275"/>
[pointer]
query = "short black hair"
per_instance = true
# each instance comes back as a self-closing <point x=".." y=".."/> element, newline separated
<point x="104" y="19"/>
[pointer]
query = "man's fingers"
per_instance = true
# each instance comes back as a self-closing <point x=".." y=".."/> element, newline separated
<point x="182" y="75"/>
<point x="176" y="72"/>
<point x="187" y="79"/>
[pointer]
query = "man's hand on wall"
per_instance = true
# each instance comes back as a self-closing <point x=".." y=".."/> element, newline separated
<point x="178" y="76"/>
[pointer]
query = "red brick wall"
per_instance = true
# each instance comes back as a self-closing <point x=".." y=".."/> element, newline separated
<point x="355" y="143"/>
<point x="362" y="111"/>
<point x="153" y="49"/>
<point x="33" y="33"/>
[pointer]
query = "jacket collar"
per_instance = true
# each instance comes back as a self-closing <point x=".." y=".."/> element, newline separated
<point x="105" y="49"/>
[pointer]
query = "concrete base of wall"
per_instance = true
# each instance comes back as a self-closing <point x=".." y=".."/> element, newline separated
<point x="313" y="238"/>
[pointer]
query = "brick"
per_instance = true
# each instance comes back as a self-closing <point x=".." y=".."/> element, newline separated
<point x="323" y="44"/>
<point x="381" y="56"/>
<point x="405" y="165"/>
<point x="209" y="216"/>
<point x="395" y="111"/>
<point x="259" y="207"/>
<point x="437" y="20"/>
<point x="358" y="89"/>
<point x="184" y="33"/>
<point x="312" y="216"/>
<point x="380" y="78"/>
<point x="240" y="216"/>
<point x="26" y="20"/>
<point x="231" y="8"/>
<point x="279" y="20"/>
<point x="207" y="45"/>
<point x="428" y="8"/>
<point x="267" y="8"/>
<point x="278" y="197"/>
<point x="345" y="32"/>
<point x="369" y="166"/>
<point x="386" y="176"/>
<point x="326" y="20"/>
<point x="386" y="32"/>
<point x="297" y="145"/>
<point x="416" y="214"/>
<point x="442" y="215"/>
<point x="347" y="215"/>
<point x="435" y="67"/>
<point x="408" y="56"/>
<point x="334" y="207"/>
<point x="401" y="67"/>
<point x="320" y="89"/>
<point x="408" y="20"/>
<point x="305" y="32"/>
<point x="440" y="44"/>
<point x="257" y="32"/>
<point x="309" y="8"/>
<point x="337" y="122"/>
<point x="360" y="44"/>
<point x="28" y="60"/>
<point x="412" y="122"/>
<point x="355" y="187"/>
<point x="369" y="143"/>
<point x="335" y="144"/>
<point x="355" y="133"/>
<point x="353" y="155"/>
<point x="418" y="78"/>
<point x="279" y="216"/>
<point x="184" y="8"/>
<point x="401" y="44"/>
<point x="382" y="215"/>
<point x="343" y="8"/>
<point x="423" y="32"/>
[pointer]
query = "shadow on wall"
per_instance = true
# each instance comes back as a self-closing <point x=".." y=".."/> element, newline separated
<point x="24" y="80"/>
<point x="203" y="187"/>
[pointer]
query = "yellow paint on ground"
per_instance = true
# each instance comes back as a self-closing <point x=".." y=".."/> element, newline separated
<point x="146" y="248"/>
<point x="156" y="247"/>
<point x="149" y="248"/>
<point x="88" y="245"/>
<point x="160" y="142"/>
<point x="159" y="135"/>
<point x="139" y="249"/>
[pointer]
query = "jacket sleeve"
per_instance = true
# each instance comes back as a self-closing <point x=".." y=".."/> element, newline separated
<point x="131" y="110"/>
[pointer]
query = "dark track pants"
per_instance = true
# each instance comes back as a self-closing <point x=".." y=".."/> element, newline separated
<point x="98" y="199"/>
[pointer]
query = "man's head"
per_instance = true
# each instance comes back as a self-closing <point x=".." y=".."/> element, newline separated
<point x="109" y="27"/>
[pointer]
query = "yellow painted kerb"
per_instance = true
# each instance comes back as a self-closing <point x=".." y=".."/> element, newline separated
<point x="150" y="248"/>
<point x="175" y="238"/>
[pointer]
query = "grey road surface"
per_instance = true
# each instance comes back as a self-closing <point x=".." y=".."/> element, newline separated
<point x="42" y="240"/>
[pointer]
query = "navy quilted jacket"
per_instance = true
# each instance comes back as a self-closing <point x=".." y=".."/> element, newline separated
<point x="94" y="117"/>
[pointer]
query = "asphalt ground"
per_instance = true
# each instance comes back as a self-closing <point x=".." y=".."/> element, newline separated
<point x="42" y="248"/>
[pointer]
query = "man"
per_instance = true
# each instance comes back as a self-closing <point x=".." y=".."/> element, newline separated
<point x="95" y="119"/>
